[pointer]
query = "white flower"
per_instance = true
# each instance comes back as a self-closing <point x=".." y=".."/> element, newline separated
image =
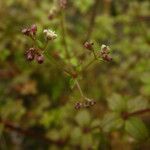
<point x="50" y="35"/>
<point x="104" y="47"/>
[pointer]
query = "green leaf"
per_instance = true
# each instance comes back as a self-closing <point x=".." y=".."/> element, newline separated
<point x="83" y="118"/>
<point x="145" y="90"/>
<point x="137" y="104"/>
<point x="112" y="121"/>
<point x="4" y="54"/>
<point x="74" y="61"/>
<point x="83" y="5"/>
<point x="136" y="128"/>
<point x="104" y="143"/>
<point x="116" y="103"/>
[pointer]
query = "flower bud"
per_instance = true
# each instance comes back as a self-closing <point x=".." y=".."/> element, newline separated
<point x="26" y="31"/>
<point x="33" y="29"/>
<point x="78" y="105"/>
<point x="88" y="45"/>
<point x="30" y="56"/>
<point x="40" y="58"/>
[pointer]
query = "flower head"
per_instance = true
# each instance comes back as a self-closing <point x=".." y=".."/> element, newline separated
<point x="30" y="31"/>
<point x="105" y="53"/>
<point x="50" y="35"/>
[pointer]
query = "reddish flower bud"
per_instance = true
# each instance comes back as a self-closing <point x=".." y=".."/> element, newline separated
<point x="88" y="45"/>
<point x="33" y="29"/>
<point x="26" y="31"/>
<point x="30" y="31"/>
<point x="30" y="56"/>
<point x="40" y="58"/>
<point x="107" y="57"/>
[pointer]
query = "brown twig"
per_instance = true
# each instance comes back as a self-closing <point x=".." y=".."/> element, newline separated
<point x="126" y="115"/>
<point x="10" y="126"/>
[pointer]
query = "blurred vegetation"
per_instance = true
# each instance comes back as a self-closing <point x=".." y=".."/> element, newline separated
<point x="36" y="101"/>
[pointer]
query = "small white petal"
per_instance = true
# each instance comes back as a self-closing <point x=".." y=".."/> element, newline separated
<point x="103" y="46"/>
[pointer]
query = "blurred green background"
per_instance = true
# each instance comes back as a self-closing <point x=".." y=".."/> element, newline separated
<point x="38" y="98"/>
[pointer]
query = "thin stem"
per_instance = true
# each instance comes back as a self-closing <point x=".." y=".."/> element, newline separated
<point x="63" y="26"/>
<point x="89" y="64"/>
<point x="81" y="92"/>
<point x="10" y="126"/>
<point x="94" y="54"/>
<point x="79" y="88"/>
<point x="139" y="112"/>
<point x="92" y="19"/>
<point x="45" y="46"/>
<point x="58" y="65"/>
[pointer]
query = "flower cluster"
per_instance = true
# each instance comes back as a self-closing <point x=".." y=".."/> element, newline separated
<point x="32" y="54"/>
<point x="30" y="31"/>
<point x="105" y="53"/>
<point x="85" y="104"/>
<point x="37" y="53"/>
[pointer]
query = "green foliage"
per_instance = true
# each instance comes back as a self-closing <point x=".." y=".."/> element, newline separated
<point x="112" y="121"/>
<point x="135" y="127"/>
<point x="41" y="98"/>
<point x="117" y="103"/>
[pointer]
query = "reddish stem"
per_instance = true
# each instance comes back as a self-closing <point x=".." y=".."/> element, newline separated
<point x="10" y="126"/>
<point x="126" y="115"/>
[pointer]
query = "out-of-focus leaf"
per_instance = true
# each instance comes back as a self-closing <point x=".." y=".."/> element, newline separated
<point x="104" y="142"/>
<point x="83" y="5"/>
<point x="74" y="61"/>
<point x="116" y="103"/>
<point x="86" y="141"/>
<point x="112" y="121"/>
<point x="76" y="135"/>
<point x="136" y="128"/>
<point x="137" y="104"/>
<point x="83" y="118"/>
<point x="146" y="90"/>
<point x="4" y="54"/>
